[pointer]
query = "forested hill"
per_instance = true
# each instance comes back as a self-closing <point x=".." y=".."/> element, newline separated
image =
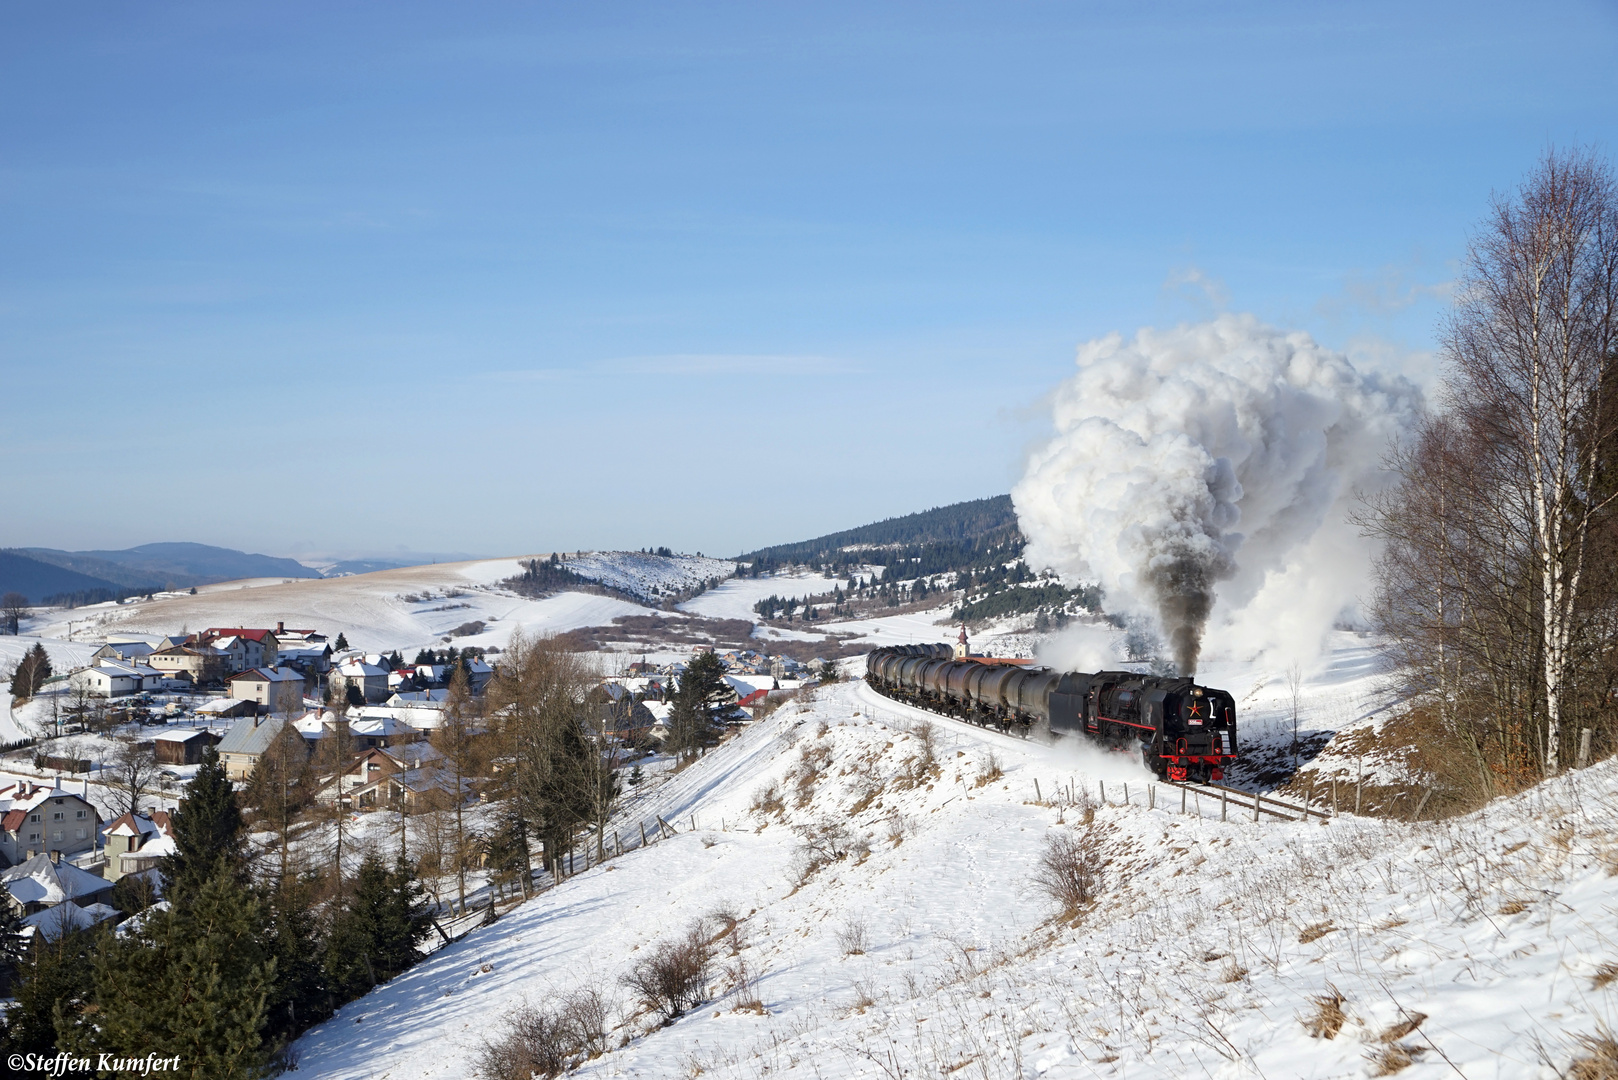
<point x="944" y="538"/>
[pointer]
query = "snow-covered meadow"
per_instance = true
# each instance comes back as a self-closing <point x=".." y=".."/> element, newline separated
<point x="1471" y="946"/>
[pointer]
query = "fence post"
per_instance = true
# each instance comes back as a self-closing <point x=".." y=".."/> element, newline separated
<point x="1103" y="784"/>
<point x="1038" y="798"/>
<point x="1255" y="808"/>
<point x="1126" y="792"/>
<point x="643" y="834"/>
<point x="1151" y="796"/>
<point x="1584" y="748"/>
<point x="1416" y="816"/>
<point x="1182" y="800"/>
<point x="1223" y="805"/>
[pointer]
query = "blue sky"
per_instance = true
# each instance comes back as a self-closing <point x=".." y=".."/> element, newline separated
<point x="498" y="278"/>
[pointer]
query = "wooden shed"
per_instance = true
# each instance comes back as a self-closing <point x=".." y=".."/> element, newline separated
<point x="183" y="746"/>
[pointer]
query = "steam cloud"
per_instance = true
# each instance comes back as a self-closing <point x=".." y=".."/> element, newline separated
<point x="1180" y="450"/>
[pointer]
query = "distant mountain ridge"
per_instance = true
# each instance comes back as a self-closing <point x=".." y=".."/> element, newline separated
<point x="977" y="524"/>
<point x="49" y="575"/>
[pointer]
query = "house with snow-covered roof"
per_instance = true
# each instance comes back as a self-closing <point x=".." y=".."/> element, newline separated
<point x="274" y="689"/>
<point x="369" y="679"/>
<point x="202" y="663"/>
<point x="35" y="818"/>
<point x="182" y="746"/>
<point x="249" y="740"/>
<point x="45" y="881"/>
<point x="124" y="651"/>
<point x="243" y="648"/>
<point x="136" y="843"/>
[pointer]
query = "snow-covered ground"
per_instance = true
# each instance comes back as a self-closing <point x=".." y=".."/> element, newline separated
<point x="647" y="577"/>
<point x="405" y="609"/>
<point x="927" y="950"/>
<point x="736" y="597"/>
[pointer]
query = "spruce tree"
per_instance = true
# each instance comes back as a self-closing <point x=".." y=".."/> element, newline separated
<point x="50" y="974"/>
<point x="299" y="997"/>
<point x="375" y="936"/>
<point x="208" y="832"/>
<point x="192" y="981"/>
<point x="341" y="643"/>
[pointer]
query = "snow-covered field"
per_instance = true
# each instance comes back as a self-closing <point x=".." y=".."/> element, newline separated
<point x="928" y="951"/>
<point x="374" y="611"/>
<point x="736" y="597"/>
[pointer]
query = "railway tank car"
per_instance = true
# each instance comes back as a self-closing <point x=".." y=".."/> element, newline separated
<point x="1185" y="731"/>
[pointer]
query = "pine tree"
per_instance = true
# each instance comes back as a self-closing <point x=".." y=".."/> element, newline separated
<point x="192" y="981"/>
<point x="375" y="936"/>
<point x="208" y="832"/>
<point x="341" y="643"/>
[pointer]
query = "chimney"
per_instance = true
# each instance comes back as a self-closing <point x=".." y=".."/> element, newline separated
<point x="280" y="627"/>
<point x="56" y="857"/>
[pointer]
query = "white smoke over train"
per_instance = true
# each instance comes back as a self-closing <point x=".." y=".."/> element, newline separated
<point x="1205" y="473"/>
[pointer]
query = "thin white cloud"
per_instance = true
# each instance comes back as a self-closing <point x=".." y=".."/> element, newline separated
<point x="1193" y="283"/>
<point x="699" y="365"/>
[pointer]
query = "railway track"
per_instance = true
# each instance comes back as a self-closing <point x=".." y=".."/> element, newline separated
<point x="1229" y="799"/>
<point x="1249" y="801"/>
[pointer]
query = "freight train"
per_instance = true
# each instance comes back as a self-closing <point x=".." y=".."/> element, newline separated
<point x="1184" y="731"/>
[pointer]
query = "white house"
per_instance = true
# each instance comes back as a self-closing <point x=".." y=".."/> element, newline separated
<point x="276" y="689"/>
<point x="35" y="818"/>
<point x="372" y="681"/>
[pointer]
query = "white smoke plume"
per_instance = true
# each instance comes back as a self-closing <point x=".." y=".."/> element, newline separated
<point x="1206" y="472"/>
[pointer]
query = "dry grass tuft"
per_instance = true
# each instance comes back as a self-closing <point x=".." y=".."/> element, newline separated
<point x="1395" y="1032"/>
<point x="1233" y="973"/>
<point x="1599" y="1060"/>
<point x="1388" y="1060"/>
<point x="1514" y="907"/>
<point x="1604" y="976"/>
<point x="1328" y="1018"/>
<point x="1315" y="932"/>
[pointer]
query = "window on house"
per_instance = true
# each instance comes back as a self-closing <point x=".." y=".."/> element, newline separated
<point x="33" y="817"/>
<point x="56" y="837"/>
<point x="80" y="814"/>
<point x="81" y="834"/>
<point x="57" y="816"/>
<point x="33" y="836"/>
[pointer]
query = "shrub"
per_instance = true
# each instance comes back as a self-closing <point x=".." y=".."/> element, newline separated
<point x="547" y="1042"/>
<point x="1069" y="870"/>
<point x="673" y="977"/>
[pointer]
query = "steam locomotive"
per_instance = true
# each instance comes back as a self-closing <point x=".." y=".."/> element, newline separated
<point x="1184" y="731"/>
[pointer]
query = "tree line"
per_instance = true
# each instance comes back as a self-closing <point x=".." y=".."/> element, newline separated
<point x="1497" y="586"/>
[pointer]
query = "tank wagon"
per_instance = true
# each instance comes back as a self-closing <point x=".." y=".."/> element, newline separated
<point x="1185" y="731"/>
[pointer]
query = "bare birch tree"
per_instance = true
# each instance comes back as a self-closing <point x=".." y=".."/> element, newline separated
<point x="1529" y="347"/>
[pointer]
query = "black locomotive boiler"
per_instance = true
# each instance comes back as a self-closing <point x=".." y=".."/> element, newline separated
<point x="1184" y="731"/>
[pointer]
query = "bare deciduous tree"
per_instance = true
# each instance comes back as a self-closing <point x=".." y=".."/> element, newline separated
<point x="1493" y="584"/>
<point x="133" y="771"/>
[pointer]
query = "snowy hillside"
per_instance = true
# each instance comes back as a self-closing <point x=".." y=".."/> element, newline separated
<point x="407" y="608"/>
<point x="921" y="947"/>
<point x="648" y="577"/>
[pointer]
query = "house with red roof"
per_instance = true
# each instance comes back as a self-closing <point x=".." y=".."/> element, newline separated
<point x="35" y="818"/>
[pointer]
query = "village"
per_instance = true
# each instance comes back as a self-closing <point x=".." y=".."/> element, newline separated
<point x="85" y="806"/>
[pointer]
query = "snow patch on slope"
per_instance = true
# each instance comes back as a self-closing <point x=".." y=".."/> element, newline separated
<point x="1211" y="941"/>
